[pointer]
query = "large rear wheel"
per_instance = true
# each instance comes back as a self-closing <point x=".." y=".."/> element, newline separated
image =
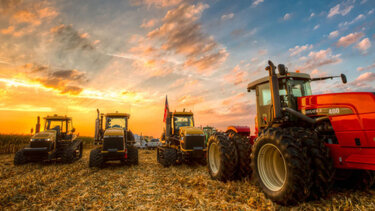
<point x="243" y="148"/>
<point x="221" y="158"/>
<point x="280" y="167"/>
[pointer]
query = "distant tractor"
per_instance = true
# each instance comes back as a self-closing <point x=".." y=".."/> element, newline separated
<point x="116" y="141"/>
<point x="57" y="141"/>
<point x="304" y="141"/>
<point x="208" y="131"/>
<point x="181" y="142"/>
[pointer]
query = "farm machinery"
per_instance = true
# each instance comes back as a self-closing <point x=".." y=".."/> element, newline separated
<point x="208" y="131"/>
<point x="303" y="142"/>
<point x="57" y="141"/>
<point x="116" y="141"/>
<point x="181" y="142"/>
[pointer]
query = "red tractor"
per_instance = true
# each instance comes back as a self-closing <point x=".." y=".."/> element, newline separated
<point x="303" y="142"/>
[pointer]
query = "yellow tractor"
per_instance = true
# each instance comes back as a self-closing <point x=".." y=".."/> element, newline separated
<point x="116" y="141"/>
<point x="57" y="141"/>
<point x="181" y="142"/>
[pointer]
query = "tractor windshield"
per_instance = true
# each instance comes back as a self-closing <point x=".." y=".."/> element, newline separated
<point x="299" y="88"/>
<point x="58" y="125"/>
<point x="116" y="122"/>
<point x="182" y="121"/>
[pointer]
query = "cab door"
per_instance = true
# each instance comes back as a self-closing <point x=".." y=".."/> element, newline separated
<point x="264" y="105"/>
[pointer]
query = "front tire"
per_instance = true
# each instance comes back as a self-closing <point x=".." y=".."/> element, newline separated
<point x="68" y="155"/>
<point x="280" y="167"/>
<point x="169" y="157"/>
<point x="96" y="158"/>
<point x="20" y="158"/>
<point x="133" y="156"/>
<point x="221" y="158"/>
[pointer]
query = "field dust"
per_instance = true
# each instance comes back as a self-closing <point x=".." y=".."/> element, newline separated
<point x="54" y="186"/>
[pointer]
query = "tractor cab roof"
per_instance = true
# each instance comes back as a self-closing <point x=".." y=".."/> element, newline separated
<point x="254" y="84"/>
<point x="57" y="117"/>
<point x="117" y="114"/>
<point x="182" y="113"/>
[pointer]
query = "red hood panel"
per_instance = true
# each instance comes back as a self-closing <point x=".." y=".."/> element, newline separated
<point x="359" y="102"/>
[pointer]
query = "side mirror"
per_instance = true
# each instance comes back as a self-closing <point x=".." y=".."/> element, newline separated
<point x="282" y="69"/>
<point x="343" y="78"/>
<point x="73" y="130"/>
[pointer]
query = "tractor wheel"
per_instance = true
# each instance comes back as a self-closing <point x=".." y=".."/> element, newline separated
<point x="80" y="151"/>
<point x="281" y="167"/>
<point x="362" y="179"/>
<point x="68" y="155"/>
<point x="221" y="158"/>
<point x="169" y="157"/>
<point x="133" y="155"/>
<point x="96" y="158"/>
<point x="19" y="158"/>
<point x="321" y="164"/>
<point x="243" y="148"/>
<point x="157" y="155"/>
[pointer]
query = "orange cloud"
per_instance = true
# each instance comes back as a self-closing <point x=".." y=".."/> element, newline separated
<point x="236" y="76"/>
<point x="148" y="24"/>
<point x="188" y="100"/>
<point x="157" y="3"/>
<point x="181" y="34"/>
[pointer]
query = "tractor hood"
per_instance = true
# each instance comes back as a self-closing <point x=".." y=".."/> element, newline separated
<point x="191" y="131"/>
<point x="48" y="134"/>
<point x="337" y="104"/>
<point x="114" y="132"/>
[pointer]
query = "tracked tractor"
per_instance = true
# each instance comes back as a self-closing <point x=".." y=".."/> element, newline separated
<point x="114" y="139"/>
<point x="56" y="142"/>
<point x="303" y="141"/>
<point x="181" y="142"/>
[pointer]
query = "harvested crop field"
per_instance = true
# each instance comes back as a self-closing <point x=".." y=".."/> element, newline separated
<point x="143" y="187"/>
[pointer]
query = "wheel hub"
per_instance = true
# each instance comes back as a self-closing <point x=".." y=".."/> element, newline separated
<point x="271" y="167"/>
<point x="214" y="158"/>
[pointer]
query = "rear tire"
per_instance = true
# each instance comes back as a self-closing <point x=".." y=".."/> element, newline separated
<point x="281" y="167"/>
<point x="221" y="158"/>
<point x="169" y="157"/>
<point x="243" y="148"/>
<point x="133" y="156"/>
<point x="96" y="158"/>
<point x="19" y="158"/>
<point x="322" y="167"/>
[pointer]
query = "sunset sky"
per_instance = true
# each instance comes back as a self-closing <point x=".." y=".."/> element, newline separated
<point x="74" y="56"/>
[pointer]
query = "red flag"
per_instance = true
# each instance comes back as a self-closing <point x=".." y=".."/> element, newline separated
<point x="166" y="109"/>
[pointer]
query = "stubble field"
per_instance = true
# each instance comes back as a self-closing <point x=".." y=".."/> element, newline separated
<point x="55" y="186"/>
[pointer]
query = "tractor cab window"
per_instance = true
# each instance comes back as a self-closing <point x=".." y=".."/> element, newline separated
<point x="58" y="125"/>
<point x="116" y="122"/>
<point x="265" y="93"/>
<point x="182" y="121"/>
<point x="300" y="88"/>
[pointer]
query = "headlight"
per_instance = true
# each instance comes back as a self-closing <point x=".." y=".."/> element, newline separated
<point x="38" y="139"/>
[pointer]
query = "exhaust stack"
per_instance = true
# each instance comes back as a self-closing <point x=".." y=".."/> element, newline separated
<point x="37" y="127"/>
<point x="274" y="86"/>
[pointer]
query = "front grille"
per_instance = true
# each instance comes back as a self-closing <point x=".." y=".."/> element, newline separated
<point x="113" y="143"/>
<point x="41" y="144"/>
<point x="194" y="142"/>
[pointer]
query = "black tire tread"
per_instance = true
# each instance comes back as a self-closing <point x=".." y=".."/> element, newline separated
<point x="96" y="158"/>
<point x="298" y="183"/>
<point x="228" y="158"/>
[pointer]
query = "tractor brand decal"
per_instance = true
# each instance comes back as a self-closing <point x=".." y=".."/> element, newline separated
<point x="327" y="111"/>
